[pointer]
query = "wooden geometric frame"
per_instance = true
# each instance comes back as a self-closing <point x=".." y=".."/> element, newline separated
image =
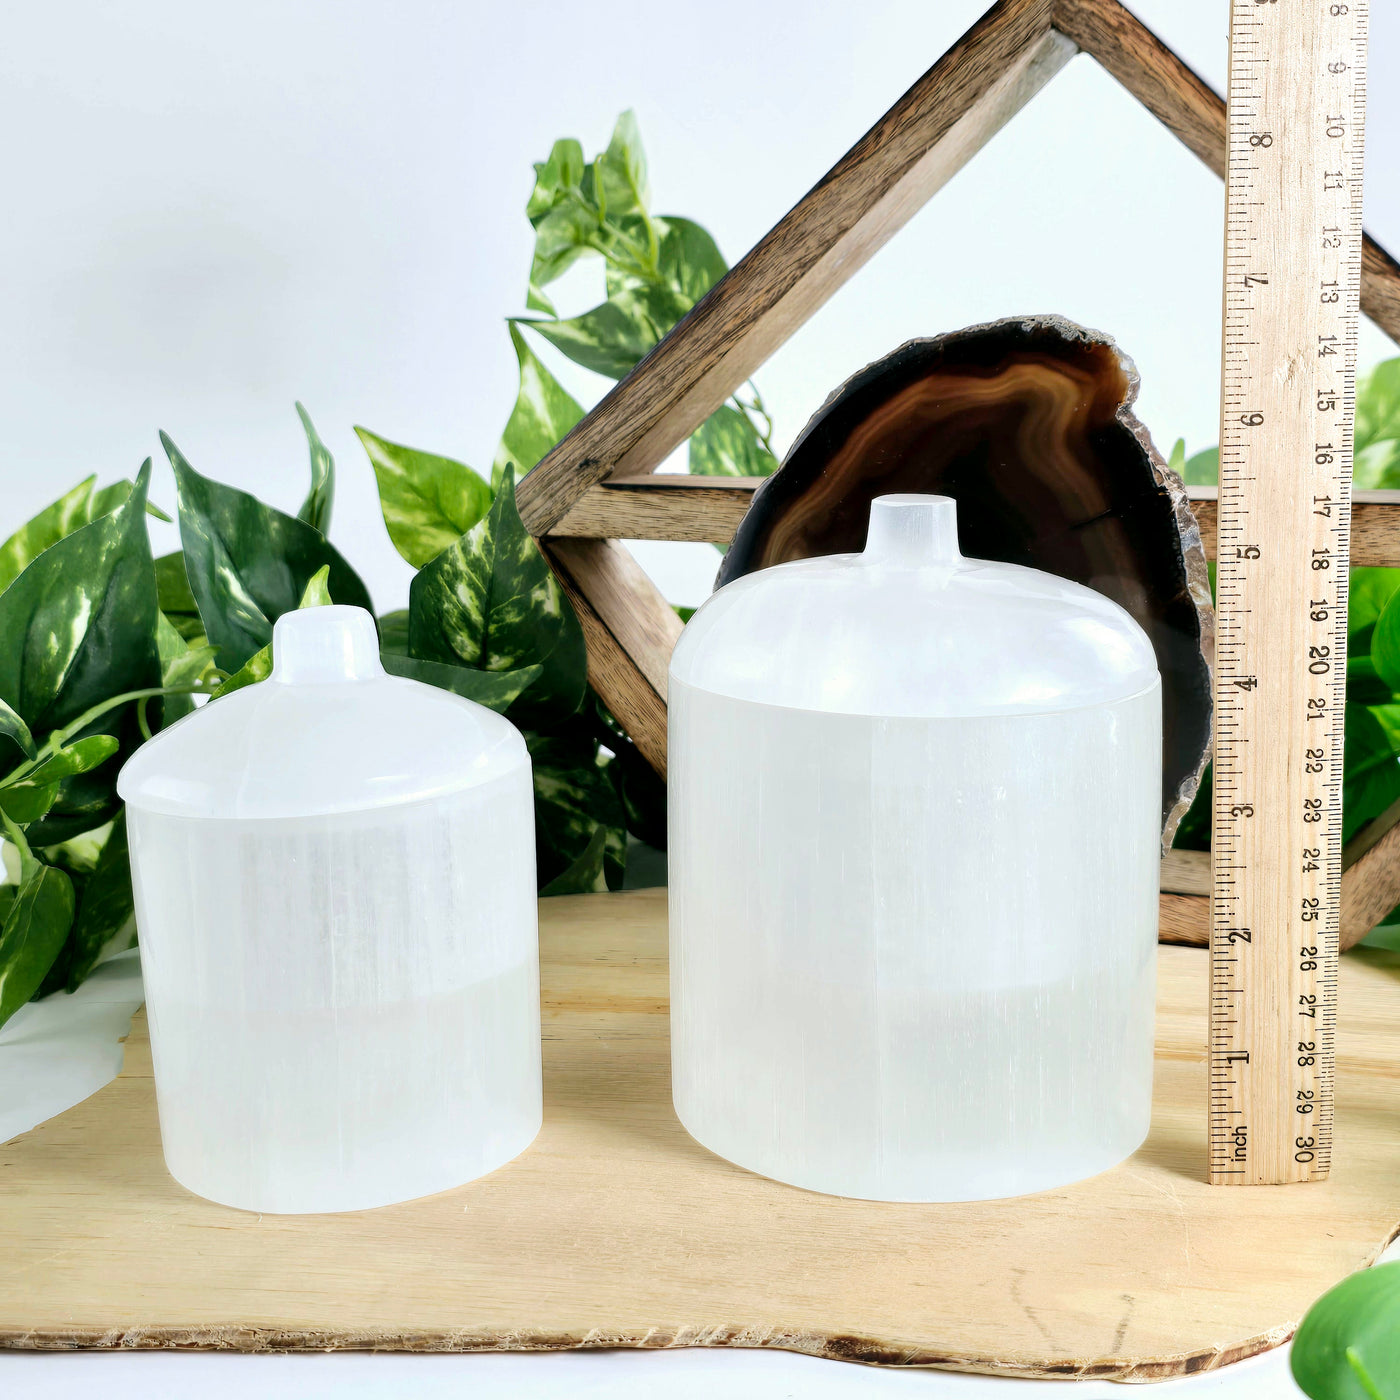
<point x="597" y="486"/>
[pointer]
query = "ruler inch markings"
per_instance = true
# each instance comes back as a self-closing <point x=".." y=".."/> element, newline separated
<point x="1290" y="312"/>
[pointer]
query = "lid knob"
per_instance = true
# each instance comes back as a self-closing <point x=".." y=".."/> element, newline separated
<point x="913" y="531"/>
<point x="319" y="646"/>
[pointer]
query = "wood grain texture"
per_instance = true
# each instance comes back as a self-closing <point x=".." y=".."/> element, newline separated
<point x="650" y="507"/>
<point x="1195" y="113"/>
<point x="630" y="631"/>
<point x="919" y="144"/>
<point x="710" y="508"/>
<point x="1371" y="887"/>
<point x="617" y="1230"/>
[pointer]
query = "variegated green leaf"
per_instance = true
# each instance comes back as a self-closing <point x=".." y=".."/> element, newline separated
<point x="316" y="508"/>
<point x="497" y="690"/>
<point x="26" y="799"/>
<point x="70" y="512"/>
<point x="690" y="258"/>
<point x="544" y="412"/>
<point x="585" y="875"/>
<point x="620" y="173"/>
<point x="727" y="444"/>
<point x="258" y="667"/>
<point x="80" y="506"/>
<point x="180" y="664"/>
<point x="491" y="602"/>
<point x="247" y="563"/>
<point x="77" y="627"/>
<point x="35" y="929"/>
<point x="574" y="799"/>
<point x="428" y="501"/>
<point x="613" y="336"/>
<point x="13" y="727"/>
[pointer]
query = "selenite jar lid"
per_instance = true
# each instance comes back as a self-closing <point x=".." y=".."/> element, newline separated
<point x="329" y="731"/>
<point x="910" y="628"/>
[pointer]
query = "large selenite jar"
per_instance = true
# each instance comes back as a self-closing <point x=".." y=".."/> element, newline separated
<point x="335" y="891"/>
<point x="915" y="807"/>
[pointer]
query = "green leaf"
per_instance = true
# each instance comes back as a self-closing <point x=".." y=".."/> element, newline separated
<point x="13" y="727"/>
<point x="562" y="236"/>
<point x="393" y="632"/>
<point x="81" y="756"/>
<point x="1385" y="643"/>
<point x="173" y="586"/>
<point x="621" y="171"/>
<point x="586" y="874"/>
<point x="1370" y="591"/>
<point x="491" y="602"/>
<point x="1378" y="405"/>
<point x="574" y="799"/>
<point x="77" y="627"/>
<point x="1348" y="1346"/>
<point x="32" y="796"/>
<point x="428" y="501"/>
<point x="497" y="690"/>
<point x="1203" y="469"/>
<point x="247" y="563"/>
<point x="81" y="506"/>
<point x="562" y="172"/>
<point x="690" y="258"/>
<point x="727" y="444"/>
<point x="106" y="914"/>
<point x="33" y="934"/>
<point x="316" y="508"/>
<point x="613" y="336"/>
<point x="56" y="521"/>
<point x="1371" y="778"/>
<point x="180" y="664"/>
<point x="25" y="802"/>
<point x="544" y="412"/>
<point x="258" y="667"/>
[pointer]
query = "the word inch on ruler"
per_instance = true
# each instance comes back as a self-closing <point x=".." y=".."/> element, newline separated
<point x="1291" y="306"/>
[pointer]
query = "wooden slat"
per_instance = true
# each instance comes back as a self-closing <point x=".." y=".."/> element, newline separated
<point x="1375" y="525"/>
<point x="630" y="630"/>
<point x="710" y="508"/>
<point x="647" y="507"/>
<point x="919" y="144"/>
<point x="1195" y="113"/>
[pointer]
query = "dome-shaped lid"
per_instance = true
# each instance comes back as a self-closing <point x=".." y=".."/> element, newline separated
<point x="911" y="628"/>
<point x="329" y="731"/>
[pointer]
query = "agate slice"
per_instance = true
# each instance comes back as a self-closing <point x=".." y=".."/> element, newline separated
<point x="1027" y="423"/>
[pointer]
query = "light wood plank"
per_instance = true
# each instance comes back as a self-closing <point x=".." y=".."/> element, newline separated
<point x="915" y="148"/>
<point x="1195" y="113"/>
<point x="617" y="1230"/>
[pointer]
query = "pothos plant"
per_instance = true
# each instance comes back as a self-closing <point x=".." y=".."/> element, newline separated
<point x="101" y="644"/>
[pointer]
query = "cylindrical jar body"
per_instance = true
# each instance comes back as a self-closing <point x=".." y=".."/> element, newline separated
<point x="341" y="1016"/>
<point x="914" y="958"/>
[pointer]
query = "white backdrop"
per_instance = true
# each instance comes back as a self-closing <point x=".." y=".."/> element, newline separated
<point x="213" y="210"/>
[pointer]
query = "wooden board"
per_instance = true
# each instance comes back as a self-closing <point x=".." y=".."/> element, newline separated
<point x="709" y="508"/>
<point x="616" y="1230"/>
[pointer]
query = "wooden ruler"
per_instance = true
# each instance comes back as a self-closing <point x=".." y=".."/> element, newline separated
<point x="1292" y="287"/>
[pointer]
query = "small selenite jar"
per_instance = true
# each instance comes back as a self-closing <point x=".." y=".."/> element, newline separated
<point x="335" y="891"/>
<point x="914" y="847"/>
